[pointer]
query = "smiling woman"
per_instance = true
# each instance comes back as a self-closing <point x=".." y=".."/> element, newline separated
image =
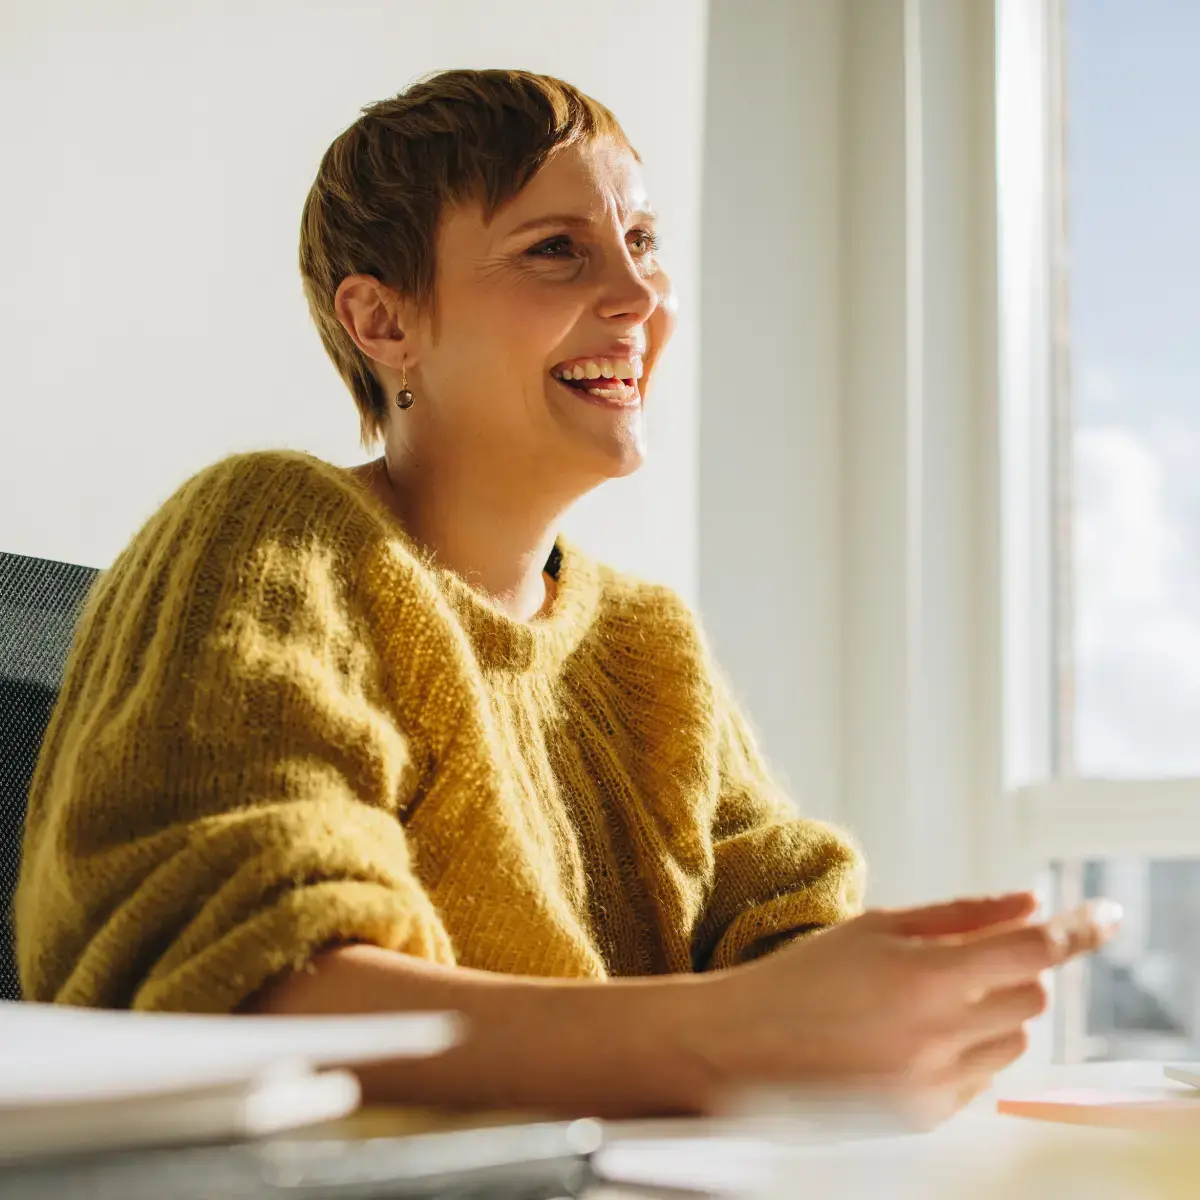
<point x="530" y="249"/>
<point x="521" y="296"/>
<point x="337" y="740"/>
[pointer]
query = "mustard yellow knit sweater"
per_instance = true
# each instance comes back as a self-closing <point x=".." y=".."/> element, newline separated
<point x="282" y="726"/>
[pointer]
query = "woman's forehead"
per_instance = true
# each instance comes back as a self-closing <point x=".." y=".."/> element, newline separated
<point x="589" y="187"/>
<point x="599" y="168"/>
<point x="597" y="183"/>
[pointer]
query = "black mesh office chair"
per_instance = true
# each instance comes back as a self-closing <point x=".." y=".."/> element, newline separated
<point x="40" y="602"/>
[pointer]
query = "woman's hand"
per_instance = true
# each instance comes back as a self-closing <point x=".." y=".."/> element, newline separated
<point x="922" y="1006"/>
<point x="925" y="1004"/>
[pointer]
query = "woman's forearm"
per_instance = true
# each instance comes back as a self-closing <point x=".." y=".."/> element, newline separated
<point x="623" y="1048"/>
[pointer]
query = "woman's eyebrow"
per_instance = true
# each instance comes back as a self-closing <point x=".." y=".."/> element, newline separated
<point x="573" y="221"/>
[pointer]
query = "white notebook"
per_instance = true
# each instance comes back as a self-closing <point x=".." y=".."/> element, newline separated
<point x="74" y="1079"/>
<point x="54" y="1053"/>
<point x="277" y="1100"/>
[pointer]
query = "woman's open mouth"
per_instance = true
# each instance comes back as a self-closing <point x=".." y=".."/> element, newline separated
<point x="602" y="381"/>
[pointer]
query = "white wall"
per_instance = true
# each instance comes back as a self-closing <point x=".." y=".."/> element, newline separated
<point x="847" y="421"/>
<point x="771" y="377"/>
<point x="157" y="156"/>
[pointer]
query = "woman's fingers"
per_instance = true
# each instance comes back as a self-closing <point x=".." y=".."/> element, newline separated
<point x="1016" y="955"/>
<point x="980" y="1062"/>
<point x="929" y="1110"/>
<point x="966" y="1092"/>
<point x="1000" y="1012"/>
<point x="959" y="916"/>
<point x="926" y="1108"/>
<point x="1089" y="926"/>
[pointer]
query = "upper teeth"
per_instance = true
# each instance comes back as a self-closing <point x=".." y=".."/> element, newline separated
<point x="602" y="368"/>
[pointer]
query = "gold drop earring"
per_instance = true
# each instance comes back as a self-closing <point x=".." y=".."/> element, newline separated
<point x="404" y="398"/>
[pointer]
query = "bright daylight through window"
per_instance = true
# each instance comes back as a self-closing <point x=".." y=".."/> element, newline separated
<point x="1128" y="436"/>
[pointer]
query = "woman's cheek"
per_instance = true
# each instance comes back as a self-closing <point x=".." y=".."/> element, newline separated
<point x="662" y="321"/>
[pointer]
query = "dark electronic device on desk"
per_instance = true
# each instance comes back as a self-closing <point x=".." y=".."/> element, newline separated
<point x="524" y="1162"/>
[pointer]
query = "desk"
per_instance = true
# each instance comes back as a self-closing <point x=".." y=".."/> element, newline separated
<point x="980" y="1153"/>
<point x="971" y="1155"/>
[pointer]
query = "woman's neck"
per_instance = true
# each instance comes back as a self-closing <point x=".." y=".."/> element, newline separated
<point x="501" y="554"/>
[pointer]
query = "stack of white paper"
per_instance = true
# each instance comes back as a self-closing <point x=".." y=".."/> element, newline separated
<point x="79" y="1079"/>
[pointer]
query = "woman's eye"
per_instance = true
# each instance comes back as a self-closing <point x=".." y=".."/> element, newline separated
<point x="647" y="240"/>
<point x="555" y="247"/>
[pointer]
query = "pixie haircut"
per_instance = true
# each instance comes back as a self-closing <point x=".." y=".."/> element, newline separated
<point x="453" y="137"/>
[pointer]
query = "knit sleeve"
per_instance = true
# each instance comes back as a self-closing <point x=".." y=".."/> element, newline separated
<point x="777" y="875"/>
<point x="218" y="792"/>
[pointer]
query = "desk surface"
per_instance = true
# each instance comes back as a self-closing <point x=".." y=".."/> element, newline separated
<point x="978" y="1144"/>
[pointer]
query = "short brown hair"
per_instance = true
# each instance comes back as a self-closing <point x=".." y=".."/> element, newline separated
<point x="382" y="187"/>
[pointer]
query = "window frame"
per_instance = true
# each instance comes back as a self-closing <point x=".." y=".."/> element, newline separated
<point x="1060" y="814"/>
<point x="928" y="483"/>
<point x="954" y="774"/>
<point x="1056" y="817"/>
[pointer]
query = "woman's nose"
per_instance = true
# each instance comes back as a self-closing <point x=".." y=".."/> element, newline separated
<point x="628" y="293"/>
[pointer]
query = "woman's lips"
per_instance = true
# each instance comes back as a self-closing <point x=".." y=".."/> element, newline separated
<point x="628" y="397"/>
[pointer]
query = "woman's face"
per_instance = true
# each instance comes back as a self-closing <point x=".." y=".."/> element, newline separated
<point x="565" y="280"/>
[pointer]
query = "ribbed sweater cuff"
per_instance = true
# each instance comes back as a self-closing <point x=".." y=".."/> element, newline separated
<point x="286" y="935"/>
<point x="769" y="926"/>
<point x="250" y="894"/>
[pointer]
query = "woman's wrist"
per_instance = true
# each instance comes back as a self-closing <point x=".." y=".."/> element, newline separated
<point x="675" y="1026"/>
<point x="661" y="1037"/>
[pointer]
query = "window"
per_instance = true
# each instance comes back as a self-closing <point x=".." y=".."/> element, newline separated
<point x="1124" y="189"/>
<point x="1132" y="404"/>
<point x="1018" y="571"/>
<point x="1140" y="997"/>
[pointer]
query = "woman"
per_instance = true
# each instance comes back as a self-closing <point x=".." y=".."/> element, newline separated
<point x="337" y="741"/>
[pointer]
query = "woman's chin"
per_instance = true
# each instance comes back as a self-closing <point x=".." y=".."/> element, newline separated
<point x="602" y="459"/>
<point x="611" y="439"/>
<point x="622" y="447"/>
<point x="628" y="464"/>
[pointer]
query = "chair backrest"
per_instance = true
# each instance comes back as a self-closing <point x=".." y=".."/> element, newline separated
<point x="40" y="602"/>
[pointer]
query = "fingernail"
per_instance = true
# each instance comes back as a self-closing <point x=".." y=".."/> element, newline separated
<point x="1106" y="913"/>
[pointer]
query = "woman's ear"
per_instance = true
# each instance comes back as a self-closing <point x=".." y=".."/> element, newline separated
<point x="370" y="312"/>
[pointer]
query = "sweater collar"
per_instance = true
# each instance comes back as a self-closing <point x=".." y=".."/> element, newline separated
<point x="540" y="646"/>
<point x="500" y="642"/>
